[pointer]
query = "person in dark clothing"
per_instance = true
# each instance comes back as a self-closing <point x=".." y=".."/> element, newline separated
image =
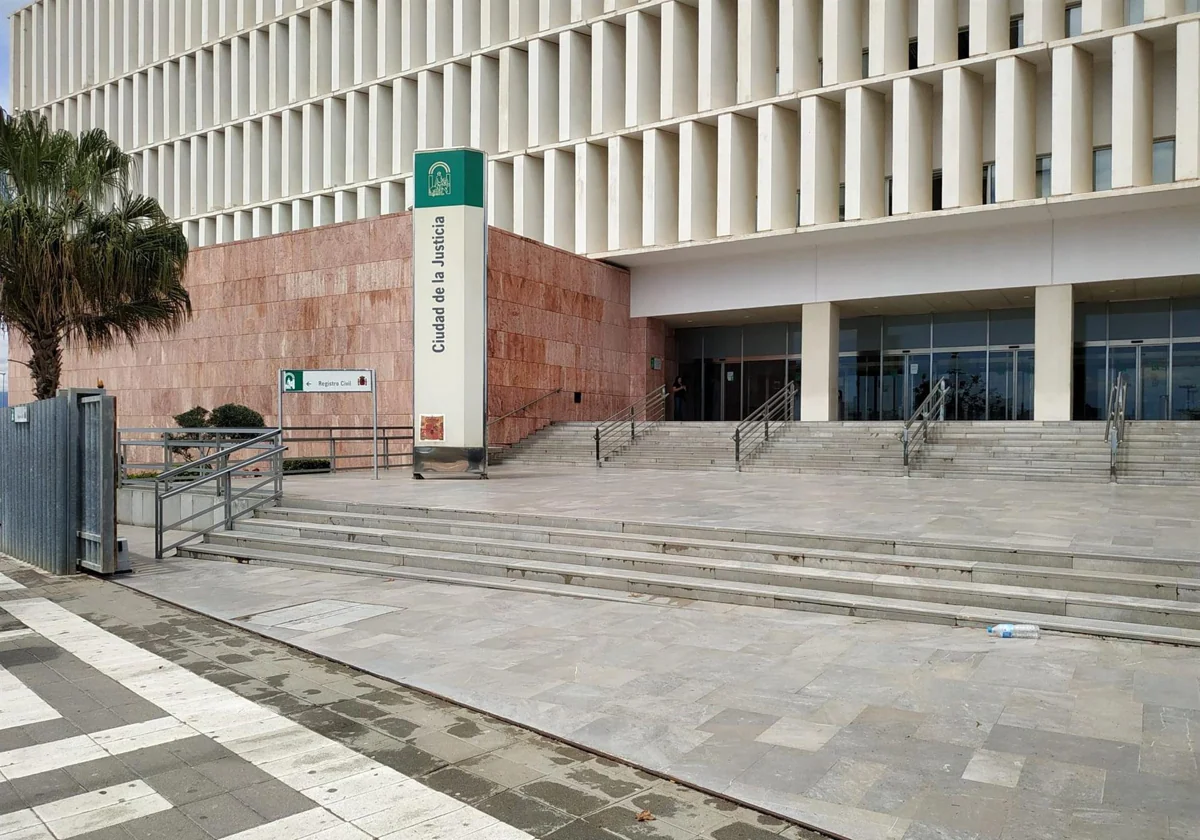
<point x="679" y="396"/>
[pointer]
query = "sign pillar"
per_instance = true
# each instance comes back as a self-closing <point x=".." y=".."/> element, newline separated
<point x="449" y="314"/>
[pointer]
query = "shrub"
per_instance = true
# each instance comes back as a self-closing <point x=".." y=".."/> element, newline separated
<point x="306" y="465"/>
<point x="234" y="416"/>
<point x="193" y="418"/>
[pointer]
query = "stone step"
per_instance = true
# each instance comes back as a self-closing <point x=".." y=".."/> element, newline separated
<point x="598" y="583"/>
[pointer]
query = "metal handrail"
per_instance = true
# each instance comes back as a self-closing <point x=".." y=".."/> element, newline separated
<point x="755" y="430"/>
<point x="916" y="428"/>
<point x="622" y="429"/>
<point x="529" y="404"/>
<point x="1114" y="427"/>
<point x="269" y="447"/>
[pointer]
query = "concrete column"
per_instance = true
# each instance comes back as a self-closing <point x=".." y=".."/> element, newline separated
<point x="430" y="93"/>
<point x="843" y="41"/>
<point x="456" y="104"/>
<point x="1132" y="111"/>
<point x="819" y="350"/>
<point x="1158" y="9"/>
<point x="962" y="138"/>
<point x="414" y="40"/>
<point x="320" y="61"/>
<point x="660" y="187"/>
<point x="937" y="31"/>
<point x="989" y="26"/>
<point x="591" y="198"/>
<point x="366" y="40"/>
<point x="272" y="153"/>
<point x="574" y="85"/>
<point x="757" y="49"/>
<point x="466" y="27"/>
<point x="485" y="103"/>
<point x="697" y="181"/>
<point x="300" y="51"/>
<point x="343" y="45"/>
<point x="1071" y="127"/>
<point x="293" y="153"/>
<point x="799" y="45"/>
<point x="624" y="193"/>
<point x="391" y="198"/>
<point x="528" y="196"/>
<point x="1187" y="101"/>
<point x="912" y="146"/>
<point x="737" y="174"/>
<point x="608" y="76"/>
<point x="778" y="167"/>
<point x="1053" y="348"/>
<point x="500" y="194"/>
<point x="493" y="22"/>
<point x="888" y="37"/>
<point x="439" y="32"/>
<point x="717" y="83"/>
<point x="558" y="225"/>
<point x="216" y="169"/>
<point x="514" y="99"/>
<point x="864" y="154"/>
<point x="553" y="14"/>
<point x="1103" y="14"/>
<point x="404" y="124"/>
<point x="679" y="71"/>
<point x="643" y="64"/>
<point x="335" y="141"/>
<point x="820" y="163"/>
<point x="1045" y="20"/>
<point x="522" y="18"/>
<point x="585" y="9"/>
<point x="390" y="32"/>
<point x="543" y="92"/>
<point x="1016" y="129"/>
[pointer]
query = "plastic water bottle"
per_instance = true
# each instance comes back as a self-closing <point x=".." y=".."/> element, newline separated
<point x="1014" y="631"/>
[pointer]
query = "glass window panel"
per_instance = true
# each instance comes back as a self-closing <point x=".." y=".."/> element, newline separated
<point x="906" y="332"/>
<point x="1074" y="20"/>
<point x="1185" y="382"/>
<point x="859" y="334"/>
<point x="858" y="387"/>
<point x="937" y="189"/>
<point x="1010" y="326"/>
<point x="1191" y="7"/>
<point x="795" y="339"/>
<point x="1043" y="176"/>
<point x="964" y="43"/>
<point x="912" y="53"/>
<point x="764" y="340"/>
<point x="1090" y="383"/>
<point x="960" y="329"/>
<point x="1016" y="32"/>
<point x="1186" y="313"/>
<point x="1139" y="319"/>
<point x="966" y="380"/>
<point x="690" y="342"/>
<point x="1102" y="169"/>
<point x="1091" y="322"/>
<point x="989" y="183"/>
<point x="1164" y="160"/>
<point x="723" y="342"/>
<point x="1135" y="11"/>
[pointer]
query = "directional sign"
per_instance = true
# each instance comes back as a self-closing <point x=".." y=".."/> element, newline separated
<point x="327" y="381"/>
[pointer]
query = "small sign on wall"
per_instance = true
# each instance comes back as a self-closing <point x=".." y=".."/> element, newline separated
<point x="20" y="414"/>
<point x="655" y="363"/>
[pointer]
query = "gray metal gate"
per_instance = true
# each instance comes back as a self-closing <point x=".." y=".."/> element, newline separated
<point x="58" y="469"/>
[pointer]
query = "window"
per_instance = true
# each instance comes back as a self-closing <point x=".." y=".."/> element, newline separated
<point x="1043" y="176"/>
<point x="912" y="53"/>
<point x="841" y="202"/>
<point x="1164" y="160"/>
<point x="1102" y="168"/>
<point x="964" y="42"/>
<point x="1074" y="23"/>
<point x="1135" y="11"/>
<point x="887" y="193"/>
<point x="989" y="183"/>
<point x="1191" y="7"/>
<point x="1016" y="32"/>
<point x="866" y="63"/>
<point x="937" y="189"/>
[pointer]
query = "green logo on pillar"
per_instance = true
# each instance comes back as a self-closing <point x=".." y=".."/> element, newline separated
<point x="449" y="178"/>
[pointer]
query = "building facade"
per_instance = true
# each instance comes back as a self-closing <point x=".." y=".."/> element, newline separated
<point x="861" y="195"/>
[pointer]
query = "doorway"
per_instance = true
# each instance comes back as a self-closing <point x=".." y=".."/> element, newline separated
<point x="1147" y="369"/>
<point x="905" y="382"/>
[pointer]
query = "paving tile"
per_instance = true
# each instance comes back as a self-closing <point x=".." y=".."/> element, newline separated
<point x="272" y="800"/>
<point x="787" y="769"/>
<point x="221" y="815"/>
<point x="462" y="784"/>
<point x="1071" y="785"/>
<point x="168" y="824"/>
<point x="798" y="734"/>
<point x="101" y="773"/>
<point x="9" y="799"/>
<point x="995" y="768"/>
<point x="184" y="785"/>
<point x="232" y="773"/>
<point x="46" y="787"/>
<point x="622" y="821"/>
<point x="525" y="812"/>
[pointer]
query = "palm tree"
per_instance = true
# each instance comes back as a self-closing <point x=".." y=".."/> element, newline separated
<point x="83" y="261"/>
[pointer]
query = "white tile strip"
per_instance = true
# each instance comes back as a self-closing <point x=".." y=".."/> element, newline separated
<point x="299" y="757"/>
<point x="7" y="583"/>
<point x="84" y="813"/>
<point x="18" y="705"/>
<point x="55" y="755"/>
<point x="9" y="635"/>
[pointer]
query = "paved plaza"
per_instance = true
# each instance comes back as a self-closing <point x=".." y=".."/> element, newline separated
<point x="122" y="717"/>
<point x="870" y="729"/>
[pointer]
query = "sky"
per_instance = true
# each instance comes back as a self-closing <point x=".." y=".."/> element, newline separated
<point x="7" y="7"/>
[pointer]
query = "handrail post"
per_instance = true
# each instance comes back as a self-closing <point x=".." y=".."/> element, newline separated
<point x="158" y="515"/>
<point x="632" y="424"/>
<point x="597" y="437"/>
<point x="332" y="452"/>
<point x="227" y="482"/>
<point x="737" y="449"/>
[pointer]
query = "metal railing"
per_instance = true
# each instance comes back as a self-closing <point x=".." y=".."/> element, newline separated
<point x="145" y="453"/>
<point x="527" y="405"/>
<point x="755" y="430"/>
<point x="916" y="428"/>
<point x="624" y="427"/>
<point x="219" y="469"/>
<point x="1114" y="428"/>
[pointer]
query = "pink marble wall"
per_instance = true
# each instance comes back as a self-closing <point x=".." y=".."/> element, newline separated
<point x="341" y="297"/>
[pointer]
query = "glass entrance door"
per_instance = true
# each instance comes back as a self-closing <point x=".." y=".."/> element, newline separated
<point x="1010" y="385"/>
<point x="1146" y="368"/>
<point x="731" y="382"/>
<point x="904" y="384"/>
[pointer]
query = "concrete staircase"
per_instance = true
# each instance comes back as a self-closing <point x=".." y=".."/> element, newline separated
<point x="557" y="445"/>
<point x="1032" y="451"/>
<point x="833" y="448"/>
<point x="1121" y="596"/>
<point x="1159" y="453"/>
<point x="680" y="446"/>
